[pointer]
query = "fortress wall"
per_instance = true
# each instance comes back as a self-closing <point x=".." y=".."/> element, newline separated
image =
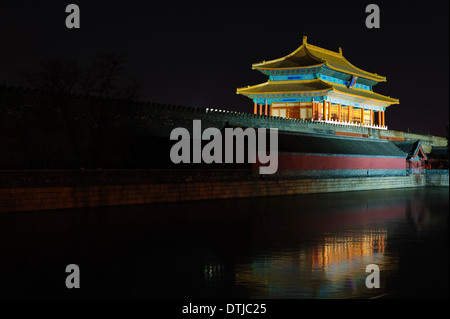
<point x="160" y="119"/>
<point x="169" y="116"/>
<point x="47" y="198"/>
<point x="437" y="177"/>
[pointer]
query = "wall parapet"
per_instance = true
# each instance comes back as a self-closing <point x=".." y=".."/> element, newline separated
<point x="437" y="177"/>
<point x="220" y="118"/>
<point x="158" y="116"/>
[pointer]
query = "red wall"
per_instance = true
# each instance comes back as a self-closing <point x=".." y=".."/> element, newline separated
<point x="315" y="162"/>
<point x="350" y="134"/>
<point x="392" y="138"/>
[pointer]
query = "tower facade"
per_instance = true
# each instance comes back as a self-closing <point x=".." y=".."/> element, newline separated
<point x="316" y="84"/>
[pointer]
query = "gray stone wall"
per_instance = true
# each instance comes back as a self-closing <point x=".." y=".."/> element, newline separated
<point x="437" y="177"/>
<point x="45" y="198"/>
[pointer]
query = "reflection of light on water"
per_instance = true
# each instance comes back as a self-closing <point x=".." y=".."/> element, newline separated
<point x="332" y="267"/>
<point x="342" y="259"/>
<point x="212" y="272"/>
<point x="337" y="251"/>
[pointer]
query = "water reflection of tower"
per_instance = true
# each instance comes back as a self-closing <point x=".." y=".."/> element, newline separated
<point x="337" y="250"/>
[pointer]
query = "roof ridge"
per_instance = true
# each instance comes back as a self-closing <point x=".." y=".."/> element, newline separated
<point x="339" y="55"/>
<point x="364" y="71"/>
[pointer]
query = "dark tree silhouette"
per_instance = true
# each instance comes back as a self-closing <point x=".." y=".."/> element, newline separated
<point x="91" y="104"/>
<point x="57" y="75"/>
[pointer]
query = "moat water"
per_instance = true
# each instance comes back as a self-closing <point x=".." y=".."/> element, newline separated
<point x="290" y="247"/>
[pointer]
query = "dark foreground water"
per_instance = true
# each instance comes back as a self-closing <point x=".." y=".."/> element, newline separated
<point x="307" y="246"/>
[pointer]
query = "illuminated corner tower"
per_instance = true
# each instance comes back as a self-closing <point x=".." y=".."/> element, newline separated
<point x="317" y="84"/>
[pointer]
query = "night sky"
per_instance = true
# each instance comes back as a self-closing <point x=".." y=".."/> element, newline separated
<point x="198" y="53"/>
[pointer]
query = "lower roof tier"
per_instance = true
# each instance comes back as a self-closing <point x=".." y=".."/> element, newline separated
<point x="316" y="90"/>
<point x="311" y="144"/>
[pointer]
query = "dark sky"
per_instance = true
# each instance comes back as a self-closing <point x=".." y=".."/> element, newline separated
<point x="198" y="53"/>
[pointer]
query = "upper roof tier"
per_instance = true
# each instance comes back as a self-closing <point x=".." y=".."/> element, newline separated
<point x="308" y="55"/>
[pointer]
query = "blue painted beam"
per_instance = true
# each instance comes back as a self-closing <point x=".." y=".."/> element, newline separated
<point x="324" y="70"/>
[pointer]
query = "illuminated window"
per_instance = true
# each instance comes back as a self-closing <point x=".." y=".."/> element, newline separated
<point x="357" y="116"/>
<point x="367" y="117"/>
<point x="334" y="111"/>
<point x="344" y="114"/>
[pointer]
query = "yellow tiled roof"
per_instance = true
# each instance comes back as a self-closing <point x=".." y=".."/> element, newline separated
<point x="308" y="55"/>
<point x="275" y="87"/>
<point x="311" y="86"/>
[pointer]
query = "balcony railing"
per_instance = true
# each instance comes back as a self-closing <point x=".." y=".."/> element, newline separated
<point x="345" y="123"/>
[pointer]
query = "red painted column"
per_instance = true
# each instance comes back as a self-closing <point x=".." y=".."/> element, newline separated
<point x="384" y="122"/>
<point x="362" y="116"/>
<point x="329" y="110"/>
<point x="260" y="109"/>
<point x="265" y="111"/>
<point x="324" y="115"/>
<point x="371" y="117"/>
<point x="379" y="118"/>
<point x="255" y="108"/>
